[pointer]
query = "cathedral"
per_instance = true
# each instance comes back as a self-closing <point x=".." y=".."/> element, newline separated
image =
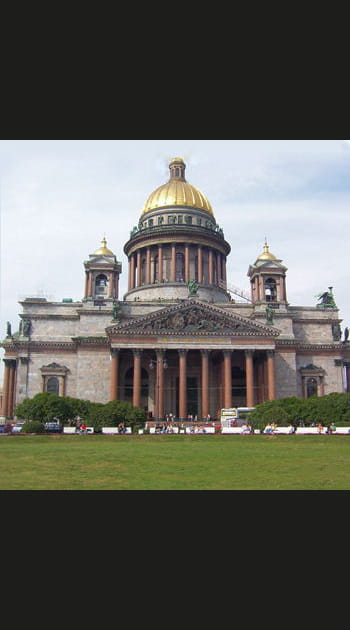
<point x="178" y="342"/>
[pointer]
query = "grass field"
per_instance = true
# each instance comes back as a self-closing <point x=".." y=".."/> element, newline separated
<point x="173" y="462"/>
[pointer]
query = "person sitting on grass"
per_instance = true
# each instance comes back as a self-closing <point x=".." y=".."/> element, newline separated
<point x="268" y="429"/>
<point x="332" y="428"/>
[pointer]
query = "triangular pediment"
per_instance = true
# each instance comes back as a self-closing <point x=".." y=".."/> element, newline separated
<point x="193" y="318"/>
<point x="101" y="260"/>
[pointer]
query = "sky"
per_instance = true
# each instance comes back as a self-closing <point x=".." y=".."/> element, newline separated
<point x="59" y="198"/>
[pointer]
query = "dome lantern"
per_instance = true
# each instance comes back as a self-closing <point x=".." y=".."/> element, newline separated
<point x="177" y="169"/>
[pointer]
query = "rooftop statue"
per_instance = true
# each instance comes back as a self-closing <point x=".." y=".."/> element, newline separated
<point x="326" y="299"/>
<point x="192" y="287"/>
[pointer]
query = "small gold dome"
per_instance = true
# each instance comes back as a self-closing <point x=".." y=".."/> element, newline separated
<point x="177" y="192"/>
<point x="266" y="255"/>
<point x="103" y="250"/>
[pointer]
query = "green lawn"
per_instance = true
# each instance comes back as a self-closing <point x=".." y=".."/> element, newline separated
<point x="174" y="462"/>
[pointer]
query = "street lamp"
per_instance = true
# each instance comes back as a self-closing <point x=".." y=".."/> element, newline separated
<point x="152" y="363"/>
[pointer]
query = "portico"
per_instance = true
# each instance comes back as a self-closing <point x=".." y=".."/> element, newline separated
<point x="198" y="360"/>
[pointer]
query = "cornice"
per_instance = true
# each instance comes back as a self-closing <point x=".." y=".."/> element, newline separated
<point x="91" y="341"/>
<point x="176" y="233"/>
<point x="37" y="316"/>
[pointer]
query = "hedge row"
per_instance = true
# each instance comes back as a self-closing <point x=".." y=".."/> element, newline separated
<point x="68" y="411"/>
<point x="297" y="411"/>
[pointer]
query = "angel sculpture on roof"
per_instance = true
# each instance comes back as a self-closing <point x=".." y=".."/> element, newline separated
<point x="326" y="299"/>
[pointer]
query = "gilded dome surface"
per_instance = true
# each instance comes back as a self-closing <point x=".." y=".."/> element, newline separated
<point x="103" y="250"/>
<point x="177" y="192"/>
<point x="266" y="255"/>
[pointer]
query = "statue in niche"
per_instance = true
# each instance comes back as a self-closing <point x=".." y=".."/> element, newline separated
<point x="116" y="311"/>
<point x="269" y="314"/>
<point x="336" y="332"/>
<point x="26" y="327"/>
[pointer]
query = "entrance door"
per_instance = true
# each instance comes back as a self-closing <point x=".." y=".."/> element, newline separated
<point x="192" y="396"/>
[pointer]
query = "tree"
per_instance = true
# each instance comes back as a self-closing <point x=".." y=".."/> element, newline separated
<point x="44" y="408"/>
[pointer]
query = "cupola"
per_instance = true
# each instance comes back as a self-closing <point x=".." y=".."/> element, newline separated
<point x="102" y="272"/>
<point x="268" y="279"/>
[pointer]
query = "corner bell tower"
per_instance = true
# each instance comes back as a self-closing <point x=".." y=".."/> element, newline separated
<point x="102" y="272"/>
<point x="268" y="280"/>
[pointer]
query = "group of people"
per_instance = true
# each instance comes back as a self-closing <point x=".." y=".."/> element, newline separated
<point x="271" y="428"/>
<point x="170" y="417"/>
<point x="164" y="428"/>
<point x="329" y="430"/>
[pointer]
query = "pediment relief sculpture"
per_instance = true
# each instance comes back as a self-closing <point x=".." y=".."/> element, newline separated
<point x="195" y="319"/>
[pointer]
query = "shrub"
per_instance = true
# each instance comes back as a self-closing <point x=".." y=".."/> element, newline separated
<point x="326" y="409"/>
<point x="33" y="426"/>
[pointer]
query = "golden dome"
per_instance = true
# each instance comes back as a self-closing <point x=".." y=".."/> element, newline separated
<point x="177" y="192"/>
<point x="266" y="255"/>
<point x="103" y="250"/>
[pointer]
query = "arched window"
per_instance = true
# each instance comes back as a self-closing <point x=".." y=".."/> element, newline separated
<point x="52" y="385"/>
<point x="311" y="387"/>
<point x="180" y="268"/>
<point x="155" y="271"/>
<point x="270" y="290"/>
<point x="101" y="284"/>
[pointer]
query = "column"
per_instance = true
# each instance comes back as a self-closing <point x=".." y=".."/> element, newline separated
<point x="116" y="285"/>
<point x="132" y="272"/>
<point x="182" y="384"/>
<point x="6" y="393"/>
<point x="9" y="380"/>
<point x="347" y="372"/>
<point x="136" y="391"/>
<point x="205" y="382"/>
<point x="261" y="289"/>
<point x="89" y="291"/>
<point x="271" y="375"/>
<point x="200" y="264"/>
<point x="211" y="274"/>
<point x="138" y="269"/>
<point x="249" y="377"/>
<point x="227" y="380"/>
<point x="114" y="374"/>
<point x="224" y="271"/>
<point x="321" y="385"/>
<point x="173" y="263"/>
<point x="86" y="284"/>
<point x="187" y="263"/>
<point x="61" y="386"/>
<point x="218" y="266"/>
<point x="160" y="263"/>
<point x="110" y="285"/>
<point x="11" y="389"/>
<point x="160" y="384"/>
<point x="148" y="266"/>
